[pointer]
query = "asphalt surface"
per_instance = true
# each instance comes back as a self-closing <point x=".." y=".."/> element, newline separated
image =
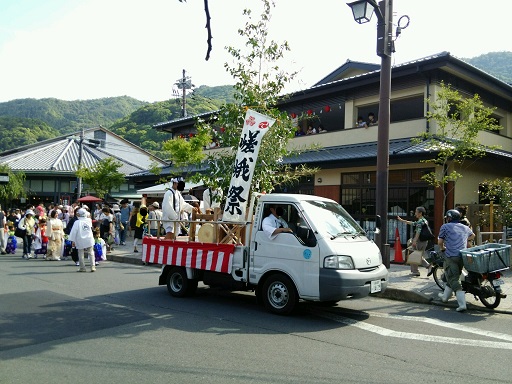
<point x="402" y="286"/>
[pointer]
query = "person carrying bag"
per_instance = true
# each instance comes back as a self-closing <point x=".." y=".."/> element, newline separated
<point x="418" y="246"/>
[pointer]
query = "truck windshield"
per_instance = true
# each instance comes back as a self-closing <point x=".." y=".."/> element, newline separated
<point x="331" y="219"/>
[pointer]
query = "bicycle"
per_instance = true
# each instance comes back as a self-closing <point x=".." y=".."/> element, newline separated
<point x="436" y="260"/>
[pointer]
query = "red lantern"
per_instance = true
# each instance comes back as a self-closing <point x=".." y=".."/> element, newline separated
<point x="190" y="135"/>
<point x="222" y="129"/>
<point x="293" y="115"/>
<point x="327" y="108"/>
<point x="309" y="112"/>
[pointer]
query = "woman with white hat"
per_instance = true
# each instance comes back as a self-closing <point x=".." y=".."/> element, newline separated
<point x="82" y="236"/>
<point x="27" y="224"/>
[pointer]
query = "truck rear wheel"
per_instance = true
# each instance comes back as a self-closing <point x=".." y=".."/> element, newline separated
<point x="279" y="294"/>
<point x="178" y="284"/>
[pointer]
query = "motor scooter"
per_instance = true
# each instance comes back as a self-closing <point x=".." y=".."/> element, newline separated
<point x="485" y="287"/>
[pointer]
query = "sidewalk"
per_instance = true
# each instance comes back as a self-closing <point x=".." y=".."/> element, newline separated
<point x="401" y="285"/>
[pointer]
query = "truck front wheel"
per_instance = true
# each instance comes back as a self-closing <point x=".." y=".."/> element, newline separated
<point x="279" y="294"/>
<point x="178" y="284"/>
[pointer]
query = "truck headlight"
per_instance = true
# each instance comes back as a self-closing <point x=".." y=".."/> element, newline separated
<point x="338" y="262"/>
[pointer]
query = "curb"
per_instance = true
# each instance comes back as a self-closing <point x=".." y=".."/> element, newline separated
<point x="125" y="259"/>
<point x="398" y="294"/>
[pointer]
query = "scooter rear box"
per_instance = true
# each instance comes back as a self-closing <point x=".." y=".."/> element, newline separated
<point x="486" y="258"/>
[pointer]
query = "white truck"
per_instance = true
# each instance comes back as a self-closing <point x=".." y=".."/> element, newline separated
<point x="327" y="257"/>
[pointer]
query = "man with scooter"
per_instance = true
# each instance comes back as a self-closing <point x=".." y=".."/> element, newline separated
<point x="453" y="237"/>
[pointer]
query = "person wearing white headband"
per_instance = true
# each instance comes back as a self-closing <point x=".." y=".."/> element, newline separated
<point x="172" y="206"/>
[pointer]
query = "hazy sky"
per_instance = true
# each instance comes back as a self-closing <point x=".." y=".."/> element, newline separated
<point x="86" y="49"/>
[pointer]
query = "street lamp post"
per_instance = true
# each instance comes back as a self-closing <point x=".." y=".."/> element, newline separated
<point x="363" y="11"/>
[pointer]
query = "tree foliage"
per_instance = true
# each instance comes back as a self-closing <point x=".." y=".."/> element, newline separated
<point x="500" y="191"/>
<point x="14" y="189"/>
<point x="459" y="120"/>
<point x="103" y="176"/>
<point x="258" y="83"/>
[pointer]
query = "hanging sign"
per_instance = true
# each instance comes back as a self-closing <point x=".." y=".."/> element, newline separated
<point x="255" y="126"/>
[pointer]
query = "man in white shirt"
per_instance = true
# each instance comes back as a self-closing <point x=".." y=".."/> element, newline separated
<point x="172" y="206"/>
<point x="274" y="224"/>
<point x="212" y="198"/>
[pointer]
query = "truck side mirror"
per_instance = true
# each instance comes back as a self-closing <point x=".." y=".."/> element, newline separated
<point x="306" y="235"/>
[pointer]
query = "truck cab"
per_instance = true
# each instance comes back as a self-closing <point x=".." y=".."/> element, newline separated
<point x="327" y="257"/>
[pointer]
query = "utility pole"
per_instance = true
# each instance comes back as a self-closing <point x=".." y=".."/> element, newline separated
<point x="184" y="84"/>
<point x="80" y="155"/>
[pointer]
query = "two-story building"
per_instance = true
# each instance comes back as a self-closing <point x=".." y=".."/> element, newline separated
<point x="348" y="155"/>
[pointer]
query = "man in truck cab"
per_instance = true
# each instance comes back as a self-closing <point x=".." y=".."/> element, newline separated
<point x="274" y="224"/>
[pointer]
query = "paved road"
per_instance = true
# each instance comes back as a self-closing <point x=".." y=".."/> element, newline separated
<point x="401" y="287"/>
<point x="117" y="326"/>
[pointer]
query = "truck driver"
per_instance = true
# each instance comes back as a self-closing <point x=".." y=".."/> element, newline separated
<point x="274" y="224"/>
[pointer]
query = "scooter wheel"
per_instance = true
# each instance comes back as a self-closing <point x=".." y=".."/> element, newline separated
<point x="488" y="296"/>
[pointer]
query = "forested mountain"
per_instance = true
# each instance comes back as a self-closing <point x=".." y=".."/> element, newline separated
<point x="71" y="116"/>
<point x="498" y="64"/>
<point x="16" y="132"/>
<point x="27" y="121"/>
<point x="223" y="93"/>
<point x="137" y="127"/>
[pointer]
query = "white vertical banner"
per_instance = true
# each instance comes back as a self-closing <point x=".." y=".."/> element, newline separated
<point x="255" y="126"/>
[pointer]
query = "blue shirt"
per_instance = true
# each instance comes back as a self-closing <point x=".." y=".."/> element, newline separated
<point x="455" y="236"/>
<point x="125" y="213"/>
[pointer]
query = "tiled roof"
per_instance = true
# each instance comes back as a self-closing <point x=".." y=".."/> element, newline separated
<point x="60" y="156"/>
<point x="397" y="148"/>
<point x="355" y="152"/>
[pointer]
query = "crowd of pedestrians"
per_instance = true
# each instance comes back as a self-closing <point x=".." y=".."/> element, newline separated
<point x="58" y="232"/>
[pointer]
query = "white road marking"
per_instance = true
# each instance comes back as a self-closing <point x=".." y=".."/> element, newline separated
<point x="456" y="326"/>
<point x="414" y="336"/>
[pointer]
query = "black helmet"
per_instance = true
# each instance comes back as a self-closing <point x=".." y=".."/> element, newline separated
<point x="453" y="214"/>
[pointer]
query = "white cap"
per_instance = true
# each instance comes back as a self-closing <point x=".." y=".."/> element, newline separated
<point x="155" y="204"/>
<point x="81" y="212"/>
<point x="30" y="212"/>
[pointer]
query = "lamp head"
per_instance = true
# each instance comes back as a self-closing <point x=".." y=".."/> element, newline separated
<point x="363" y="10"/>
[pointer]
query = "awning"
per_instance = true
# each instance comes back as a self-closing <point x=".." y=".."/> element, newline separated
<point x="160" y="189"/>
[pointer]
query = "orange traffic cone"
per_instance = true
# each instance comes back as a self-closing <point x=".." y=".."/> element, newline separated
<point x="398" y="248"/>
